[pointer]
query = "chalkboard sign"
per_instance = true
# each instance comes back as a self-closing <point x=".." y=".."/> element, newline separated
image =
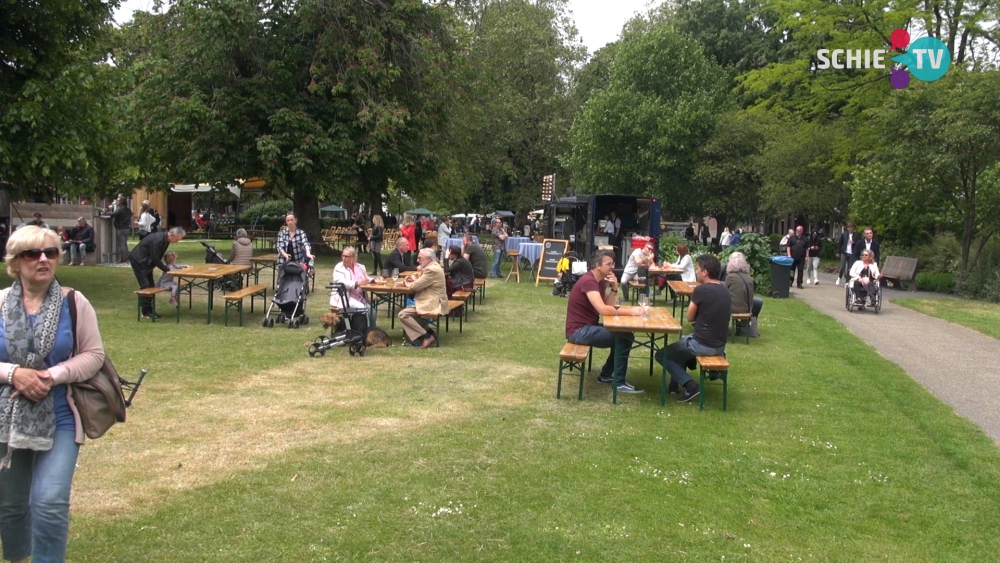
<point x="552" y="252"/>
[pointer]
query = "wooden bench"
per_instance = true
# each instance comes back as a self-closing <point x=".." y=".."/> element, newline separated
<point x="718" y="366"/>
<point x="574" y="357"/>
<point x="453" y="305"/>
<point x="235" y="299"/>
<point x="738" y="320"/>
<point x="151" y="293"/>
<point x="899" y="269"/>
<point x="481" y="287"/>
<point x="463" y="296"/>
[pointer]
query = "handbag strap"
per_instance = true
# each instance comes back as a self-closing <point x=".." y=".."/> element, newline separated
<point x="72" y="314"/>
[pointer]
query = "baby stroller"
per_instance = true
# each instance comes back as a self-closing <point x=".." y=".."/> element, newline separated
<point x="856" y="299"/>
<point x="227" y="283"/>
<point x="289" y="297"/>
<point x="352" y="336"/>
<point x="571" y="267"/>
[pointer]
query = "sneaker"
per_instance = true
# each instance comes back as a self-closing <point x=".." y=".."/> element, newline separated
<point x="628" y="388"/>
<point x="815" y="282"/>
<point x="150" y="316"/>
<point x="838" y="282"/>
<point x="688" y="395"/>
<point x="604" y="379"/>
<point x="799" y="286"/>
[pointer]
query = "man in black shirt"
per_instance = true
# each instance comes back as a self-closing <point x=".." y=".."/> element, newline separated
<point x="709" y="313"/>
<point x="476" y="256"/>
<point x="798" y="245"/>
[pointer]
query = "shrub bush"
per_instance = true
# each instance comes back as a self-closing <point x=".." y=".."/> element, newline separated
<point x="828" y="251"/>
<point x="983" y="282"/>
<point x="938" y="282"/>
<point x="265" y="209"/>
<point x="774" y="240"/>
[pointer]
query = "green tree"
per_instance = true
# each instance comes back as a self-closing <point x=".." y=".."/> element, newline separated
<point x="324" y="101"/>
<point x="803" y="173"/>
<point x="943" y="154"/>
<point x="524" y="55"/>
<point x="643" y="133"/>
<point x="57" y="111"/>
<point x="728" y="176"/>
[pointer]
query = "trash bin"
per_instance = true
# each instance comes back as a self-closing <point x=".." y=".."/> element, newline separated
<point x="781" y="270"/>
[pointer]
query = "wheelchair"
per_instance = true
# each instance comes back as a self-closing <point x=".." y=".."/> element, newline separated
<point x="874" y="301"/>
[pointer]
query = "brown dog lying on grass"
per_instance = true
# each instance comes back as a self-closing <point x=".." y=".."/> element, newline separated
<point x="375" y="338"/>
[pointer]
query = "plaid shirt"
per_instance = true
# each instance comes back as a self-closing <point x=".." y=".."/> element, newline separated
<point x="295" y="245"/>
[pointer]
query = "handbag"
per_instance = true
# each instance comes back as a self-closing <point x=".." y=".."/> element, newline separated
<point x="99" y="400"/>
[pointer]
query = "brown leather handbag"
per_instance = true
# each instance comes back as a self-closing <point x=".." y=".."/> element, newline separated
<point x="99" y="400"/>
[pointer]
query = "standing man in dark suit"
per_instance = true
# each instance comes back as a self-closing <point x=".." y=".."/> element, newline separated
<point x="867" y="243"/>
<point x="798" y="245"/>
<point x="845" y="251"/>
<point x="148" y="254"/>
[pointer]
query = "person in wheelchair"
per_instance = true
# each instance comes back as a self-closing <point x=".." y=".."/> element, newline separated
<point x="864" y="280"/>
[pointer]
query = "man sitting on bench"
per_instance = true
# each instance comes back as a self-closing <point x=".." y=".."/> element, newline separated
<point x="709" y="314"/>
<point x="587" y="301"/>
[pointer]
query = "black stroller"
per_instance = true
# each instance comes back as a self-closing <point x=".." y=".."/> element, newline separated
<point x="227" y="283"/>
<point x="352" y="331"/>
<point x="290" y="298"/>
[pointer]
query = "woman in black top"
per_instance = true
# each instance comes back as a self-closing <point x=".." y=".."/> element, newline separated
<point x="378" y="234"/>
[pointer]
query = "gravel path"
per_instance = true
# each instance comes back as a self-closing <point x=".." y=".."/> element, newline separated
<point x="958" y="365"/>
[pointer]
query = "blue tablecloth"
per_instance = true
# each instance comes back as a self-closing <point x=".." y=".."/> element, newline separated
<point x="514" y="243"/>
<point x="531" y="251"/>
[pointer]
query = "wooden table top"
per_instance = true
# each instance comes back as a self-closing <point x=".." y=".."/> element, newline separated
<point x="387" y="287"/>
<point x="663" y="270"/>
<point x="265" y="258"/>
<point x="209" y="271"/>
<point x="682" y="287"/>
<point x="660" y="322"/>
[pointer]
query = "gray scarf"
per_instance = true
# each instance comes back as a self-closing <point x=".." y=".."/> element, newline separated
<point x="24" y="424"/>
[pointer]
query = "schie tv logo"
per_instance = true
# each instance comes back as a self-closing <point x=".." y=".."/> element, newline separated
<point x="926" y="58"/>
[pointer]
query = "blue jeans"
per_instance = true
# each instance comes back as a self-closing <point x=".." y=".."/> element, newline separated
<point x="597" y="336"/>
<point x="34" y="501"/>
<point x="77" y="248"/>
<point x="495" y="269"/>
<point x="676" y="356"/>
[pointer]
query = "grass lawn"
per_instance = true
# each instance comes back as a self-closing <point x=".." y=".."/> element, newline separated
<point x="242" y="448"/>
<point x="977" y="315"/>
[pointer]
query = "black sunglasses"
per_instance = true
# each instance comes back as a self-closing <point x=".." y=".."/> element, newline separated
<point x="35" y="253"/>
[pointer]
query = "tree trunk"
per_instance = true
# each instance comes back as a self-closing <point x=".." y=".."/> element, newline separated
<point x="306" y="206"/>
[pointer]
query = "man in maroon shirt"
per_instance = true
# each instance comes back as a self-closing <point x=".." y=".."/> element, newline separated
<point x="590" y="299"/>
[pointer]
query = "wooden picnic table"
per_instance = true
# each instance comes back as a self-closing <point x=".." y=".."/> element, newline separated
<point x="660" y="323"/>
<point x="208" y="274"/>
<point x="684" y="290"/>
<point x="386" y="292"/>
<point x="262" y="262"/>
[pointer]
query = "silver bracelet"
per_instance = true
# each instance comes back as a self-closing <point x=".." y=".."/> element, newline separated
<point x="10" y="375"/>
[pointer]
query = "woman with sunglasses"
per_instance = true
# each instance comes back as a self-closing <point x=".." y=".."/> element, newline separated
<point x="865" y="276"/>
<point x="40" y="431"/>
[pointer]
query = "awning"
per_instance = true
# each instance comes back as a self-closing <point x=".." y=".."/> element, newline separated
<point x="420" y="211"/>
<point x="332" y="209"/>
<point x="202" y="188"/>
<point x="504" y="213"/>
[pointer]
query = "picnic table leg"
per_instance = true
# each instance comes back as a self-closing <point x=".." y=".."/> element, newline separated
<point x="211" y="297"/>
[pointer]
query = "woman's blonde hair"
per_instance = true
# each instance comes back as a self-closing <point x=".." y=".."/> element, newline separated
<point x="29" y="237"/>
<point x="169" y="257"/>
<point x="377" y="221"/>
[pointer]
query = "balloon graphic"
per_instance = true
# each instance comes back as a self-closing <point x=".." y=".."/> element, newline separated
<point x="900" y="38"/>
<point x="899" y="79"/>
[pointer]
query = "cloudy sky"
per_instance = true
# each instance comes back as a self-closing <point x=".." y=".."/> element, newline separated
<point x="598" y="21"/>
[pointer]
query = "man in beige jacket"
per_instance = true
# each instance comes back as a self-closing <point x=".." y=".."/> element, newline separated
<point x="431" y="298"/>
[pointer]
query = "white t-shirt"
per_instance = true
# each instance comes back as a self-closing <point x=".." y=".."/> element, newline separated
<point x="687" y="265"/>
<point x="146" y="221"/>
<point x="612" y="226"/>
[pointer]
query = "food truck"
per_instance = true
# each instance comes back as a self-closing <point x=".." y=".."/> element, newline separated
<point x="581" y="220"/>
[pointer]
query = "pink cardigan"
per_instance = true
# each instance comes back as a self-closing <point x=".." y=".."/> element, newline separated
<point x="89" y="354"/>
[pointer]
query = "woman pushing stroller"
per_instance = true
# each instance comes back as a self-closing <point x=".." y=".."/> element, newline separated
<point x="293" y="244"/>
